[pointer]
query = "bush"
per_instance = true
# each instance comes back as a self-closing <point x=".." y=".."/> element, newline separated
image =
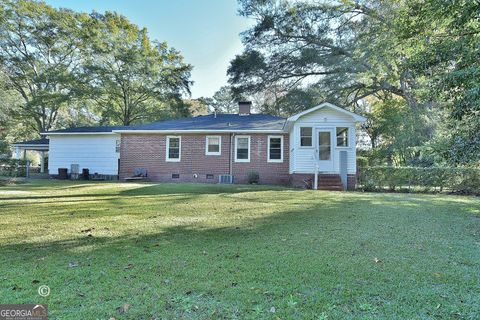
<point x="362" y="162"/>
<point x="458" y="180"/>
<point x="253" y="177"/>
<point x="12" y="167"/>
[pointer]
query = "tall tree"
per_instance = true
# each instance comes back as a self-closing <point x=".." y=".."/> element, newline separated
<point x="39" y="54"/>
<point x="446" y="53"/>
<point x="130" y="78"/>
<point x="343" y="48"/>
<point x="223" y="101"/>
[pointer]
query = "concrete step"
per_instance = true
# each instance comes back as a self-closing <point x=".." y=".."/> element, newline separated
<point x="331" y="188"/>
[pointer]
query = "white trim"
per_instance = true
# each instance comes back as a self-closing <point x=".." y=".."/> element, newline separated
<point x="199" y="131"/>
<point x="167" y="144"/>
<point x="30" y="145"/>
<point x="207" y="153"/>
<point x="249" y="149"/>
<point x="281" y="149"/>
<point x="348" y="138"/>
<point x="312" y="146"/>
<point x="73" y="133"/>
<point x="355" y="116"/>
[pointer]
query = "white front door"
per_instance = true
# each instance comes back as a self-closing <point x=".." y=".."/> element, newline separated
<point x="325" y="149"/>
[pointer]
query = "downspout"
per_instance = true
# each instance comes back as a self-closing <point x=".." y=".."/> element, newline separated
<point x="230" y="167"/>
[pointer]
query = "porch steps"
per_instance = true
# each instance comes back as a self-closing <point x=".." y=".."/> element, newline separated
<point x="331" y="182"/>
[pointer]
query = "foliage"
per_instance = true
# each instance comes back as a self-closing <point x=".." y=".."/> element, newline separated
<point x="446" y="53"/>
<point x="343" y="48"/>
<point x="223" y="101"/>
<point x="39" y="54"/>
<point x="253" y="177"/>
<point x="129" y="77"/>
<point x="59" y="68"/>
<point x="460" y="180"/>
<point x="12" y="167"/>
<point x="362" y="161"/>
<point x="408" y="65"/>
<point x="233" y="251"/>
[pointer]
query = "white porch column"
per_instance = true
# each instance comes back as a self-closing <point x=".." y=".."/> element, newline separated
<point x="18" y="153"/>
<point x="42" y="161"/>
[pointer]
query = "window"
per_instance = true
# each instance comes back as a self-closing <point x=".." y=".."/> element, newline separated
<point x="324" y="145"/>
<point x="242" y="149"/>
<point x="214" y="147"/>
<point x="209" y="176"/>
<point x="175" y="176"/>
<point x="305" y="136"/>
<point x="342" y="137"/>
<point x="173" y="149"/>
<point x="117" y="145"/>
<point x="275" y="149"/>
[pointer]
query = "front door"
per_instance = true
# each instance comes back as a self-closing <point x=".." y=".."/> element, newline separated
<point x="324" y="149"/>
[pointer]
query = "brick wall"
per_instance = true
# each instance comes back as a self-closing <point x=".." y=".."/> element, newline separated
<point x="148" y="151"/>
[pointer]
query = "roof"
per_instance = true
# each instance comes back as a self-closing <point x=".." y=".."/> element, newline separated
<point x="208" y="123"/>
<point x="37" y="142"/>
<point x="228" y="122"/>
<point x="355" y="116"/>
<point x="96" y="129"/>
<point x="220" y="122"/>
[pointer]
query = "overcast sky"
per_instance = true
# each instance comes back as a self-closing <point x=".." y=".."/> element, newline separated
<point x="206" y="32"/>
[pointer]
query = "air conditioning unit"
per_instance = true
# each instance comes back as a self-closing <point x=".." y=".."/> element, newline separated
<point x="74" y="171"/>
<point x="225" y="179"/>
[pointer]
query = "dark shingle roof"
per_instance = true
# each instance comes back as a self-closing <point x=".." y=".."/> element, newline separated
<point x="89" y="129"/>
<point x="33" y="142"/>
<point x="231" y="122"/>
<point x="220" y="122"/>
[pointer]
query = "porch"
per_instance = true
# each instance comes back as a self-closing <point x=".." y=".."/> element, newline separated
<point x="40" y="145"/>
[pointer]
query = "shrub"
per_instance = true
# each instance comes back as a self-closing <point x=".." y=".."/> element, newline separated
<point x="12" y="167"/>
<point x="253" y="177"/>
<point x="362" y="162"/>
<point x="458" y="180"/>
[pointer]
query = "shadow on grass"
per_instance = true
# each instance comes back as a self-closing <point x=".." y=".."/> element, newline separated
<point x="320" y="244"/>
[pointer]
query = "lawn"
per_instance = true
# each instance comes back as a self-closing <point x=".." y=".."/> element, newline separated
<point x="148" y="251"/>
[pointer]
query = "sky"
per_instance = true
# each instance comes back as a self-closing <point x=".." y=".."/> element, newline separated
<point x="206" y="32"/>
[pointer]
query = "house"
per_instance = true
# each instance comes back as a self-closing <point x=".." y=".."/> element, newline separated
<point x="220" y="147"/>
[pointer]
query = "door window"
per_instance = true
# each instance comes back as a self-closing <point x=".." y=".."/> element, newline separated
<point x="324" y="145"/>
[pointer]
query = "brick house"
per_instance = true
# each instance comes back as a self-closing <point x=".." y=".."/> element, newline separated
<point x="220" y="148"/>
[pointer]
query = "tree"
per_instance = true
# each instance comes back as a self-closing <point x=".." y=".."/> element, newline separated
<point x="130" y="78"/>
<point x="39" y="54"/>
<point x="423" y="52"/>
<point x="447" y="54"/>
<point x="223" y="101"/>
<point x="343" y="48"/>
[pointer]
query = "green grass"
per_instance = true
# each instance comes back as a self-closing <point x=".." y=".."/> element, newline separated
<point x="246" y="252"/>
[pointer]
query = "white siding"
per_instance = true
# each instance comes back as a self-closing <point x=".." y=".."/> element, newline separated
<point x="95" y="152"/>
<point x="302" y="158"/>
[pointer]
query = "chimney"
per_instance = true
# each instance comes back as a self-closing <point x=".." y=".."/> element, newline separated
<point x="244" y="108"/>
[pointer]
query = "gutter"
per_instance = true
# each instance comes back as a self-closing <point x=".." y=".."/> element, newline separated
<point x="200" y="131"/>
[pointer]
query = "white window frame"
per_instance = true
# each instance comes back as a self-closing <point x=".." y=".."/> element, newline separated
<point x="300" y="137"/>
<point x="207" y="138"/>
<point x="167" y="144"/>
<point x="281" y="149"/>
<point x="249" y="149"/>
<point x="348" y="138"/>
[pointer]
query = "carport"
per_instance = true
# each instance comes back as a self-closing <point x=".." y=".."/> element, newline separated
<point x="39" y="145"/>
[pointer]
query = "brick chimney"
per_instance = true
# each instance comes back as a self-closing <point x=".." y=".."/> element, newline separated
<point x="244" y="108"/>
